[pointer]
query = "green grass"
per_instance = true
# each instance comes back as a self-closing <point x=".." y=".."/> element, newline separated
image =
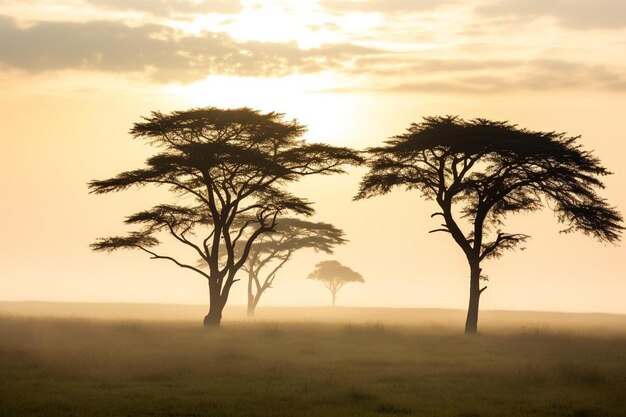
<point x="77" y="367"/>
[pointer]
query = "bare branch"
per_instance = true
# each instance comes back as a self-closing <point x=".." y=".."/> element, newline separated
<point x="169" y="258"/>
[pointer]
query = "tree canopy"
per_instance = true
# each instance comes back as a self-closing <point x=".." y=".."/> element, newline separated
<point x="480" y="171"/>
<point x="227" y="171"/>
<point x="334" y="276"/>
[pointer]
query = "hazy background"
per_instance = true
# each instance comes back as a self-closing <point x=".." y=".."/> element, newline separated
<point x="75" y="75"/>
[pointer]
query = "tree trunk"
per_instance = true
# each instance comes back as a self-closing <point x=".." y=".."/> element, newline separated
<point x="471" y="323"/>
<point x="214" y="317"/>
<point x="251" y="306"/>
<point x="251" y="309"/>
<point x="253" y="302"/>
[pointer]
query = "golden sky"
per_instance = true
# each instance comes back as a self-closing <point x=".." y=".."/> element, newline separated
<point x="75" y="75"/>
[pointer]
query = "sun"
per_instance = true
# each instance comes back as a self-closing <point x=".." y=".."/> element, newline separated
<point x="308" y="98"/>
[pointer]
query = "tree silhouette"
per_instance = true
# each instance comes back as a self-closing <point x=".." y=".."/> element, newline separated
<point x="482" y="171"/>
<point x="227" y="170"/>
<point x="334" y="276"/>
<point x="273" y="250"/>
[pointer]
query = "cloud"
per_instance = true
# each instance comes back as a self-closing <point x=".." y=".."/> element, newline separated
<point x="573" y="14"/>
<point x="165" y="54"/>
<point x="171" y="7"/>
<point x="475" y="77"/>
<point x="384" y="6"/>
<point x="400" y="64"/>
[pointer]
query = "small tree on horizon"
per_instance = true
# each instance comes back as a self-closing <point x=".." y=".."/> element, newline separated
<point x="479" y="172"/>
<point x="334" y="276"/>
<point x="227" y="171"/>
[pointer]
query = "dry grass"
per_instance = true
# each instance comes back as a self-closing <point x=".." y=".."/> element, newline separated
<point x="79" y="367"/>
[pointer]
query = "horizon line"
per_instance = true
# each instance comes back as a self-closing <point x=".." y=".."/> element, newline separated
<point x="313" y="306"/>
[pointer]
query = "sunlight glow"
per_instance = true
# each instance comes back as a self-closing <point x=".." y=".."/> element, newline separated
<point x="76" y="75"/>
<point x="291" y="95"/>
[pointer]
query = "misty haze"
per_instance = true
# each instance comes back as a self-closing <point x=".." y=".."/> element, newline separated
<point x="312" y="208"/>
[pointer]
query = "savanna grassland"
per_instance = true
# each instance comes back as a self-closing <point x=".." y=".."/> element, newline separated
<point x="347" y="363"/>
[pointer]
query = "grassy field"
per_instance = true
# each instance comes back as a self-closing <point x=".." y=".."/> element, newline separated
<point x="408" y="363"/>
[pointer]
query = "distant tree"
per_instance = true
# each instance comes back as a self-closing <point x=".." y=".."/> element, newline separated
<point x="334" y="276"/>
<point x="227" y="170"/>
<point x="273" y="250"/>
<point x="482" y="171"/>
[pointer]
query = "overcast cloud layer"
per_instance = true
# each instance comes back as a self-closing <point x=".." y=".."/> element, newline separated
<point x="384" y="6"/>
<point x="573" y="14"/>
<point x="170" y="7"/>
<point x="161" y="51"/>
<point x="387" y="55"/>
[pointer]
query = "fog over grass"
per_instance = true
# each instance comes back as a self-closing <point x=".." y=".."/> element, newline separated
<point x="409" y="362"/>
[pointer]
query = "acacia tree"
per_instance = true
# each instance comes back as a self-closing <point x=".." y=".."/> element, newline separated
<point x="273" y="250"/>
<point x="334" y="276"/>
<point x="228" y="171"/>
<point x="481" y="171"/>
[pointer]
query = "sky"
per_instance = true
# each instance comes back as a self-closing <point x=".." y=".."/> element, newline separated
<point x="76" y="74"/>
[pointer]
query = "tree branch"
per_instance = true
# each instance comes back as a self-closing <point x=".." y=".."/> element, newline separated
<point x="155" y="256"/>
